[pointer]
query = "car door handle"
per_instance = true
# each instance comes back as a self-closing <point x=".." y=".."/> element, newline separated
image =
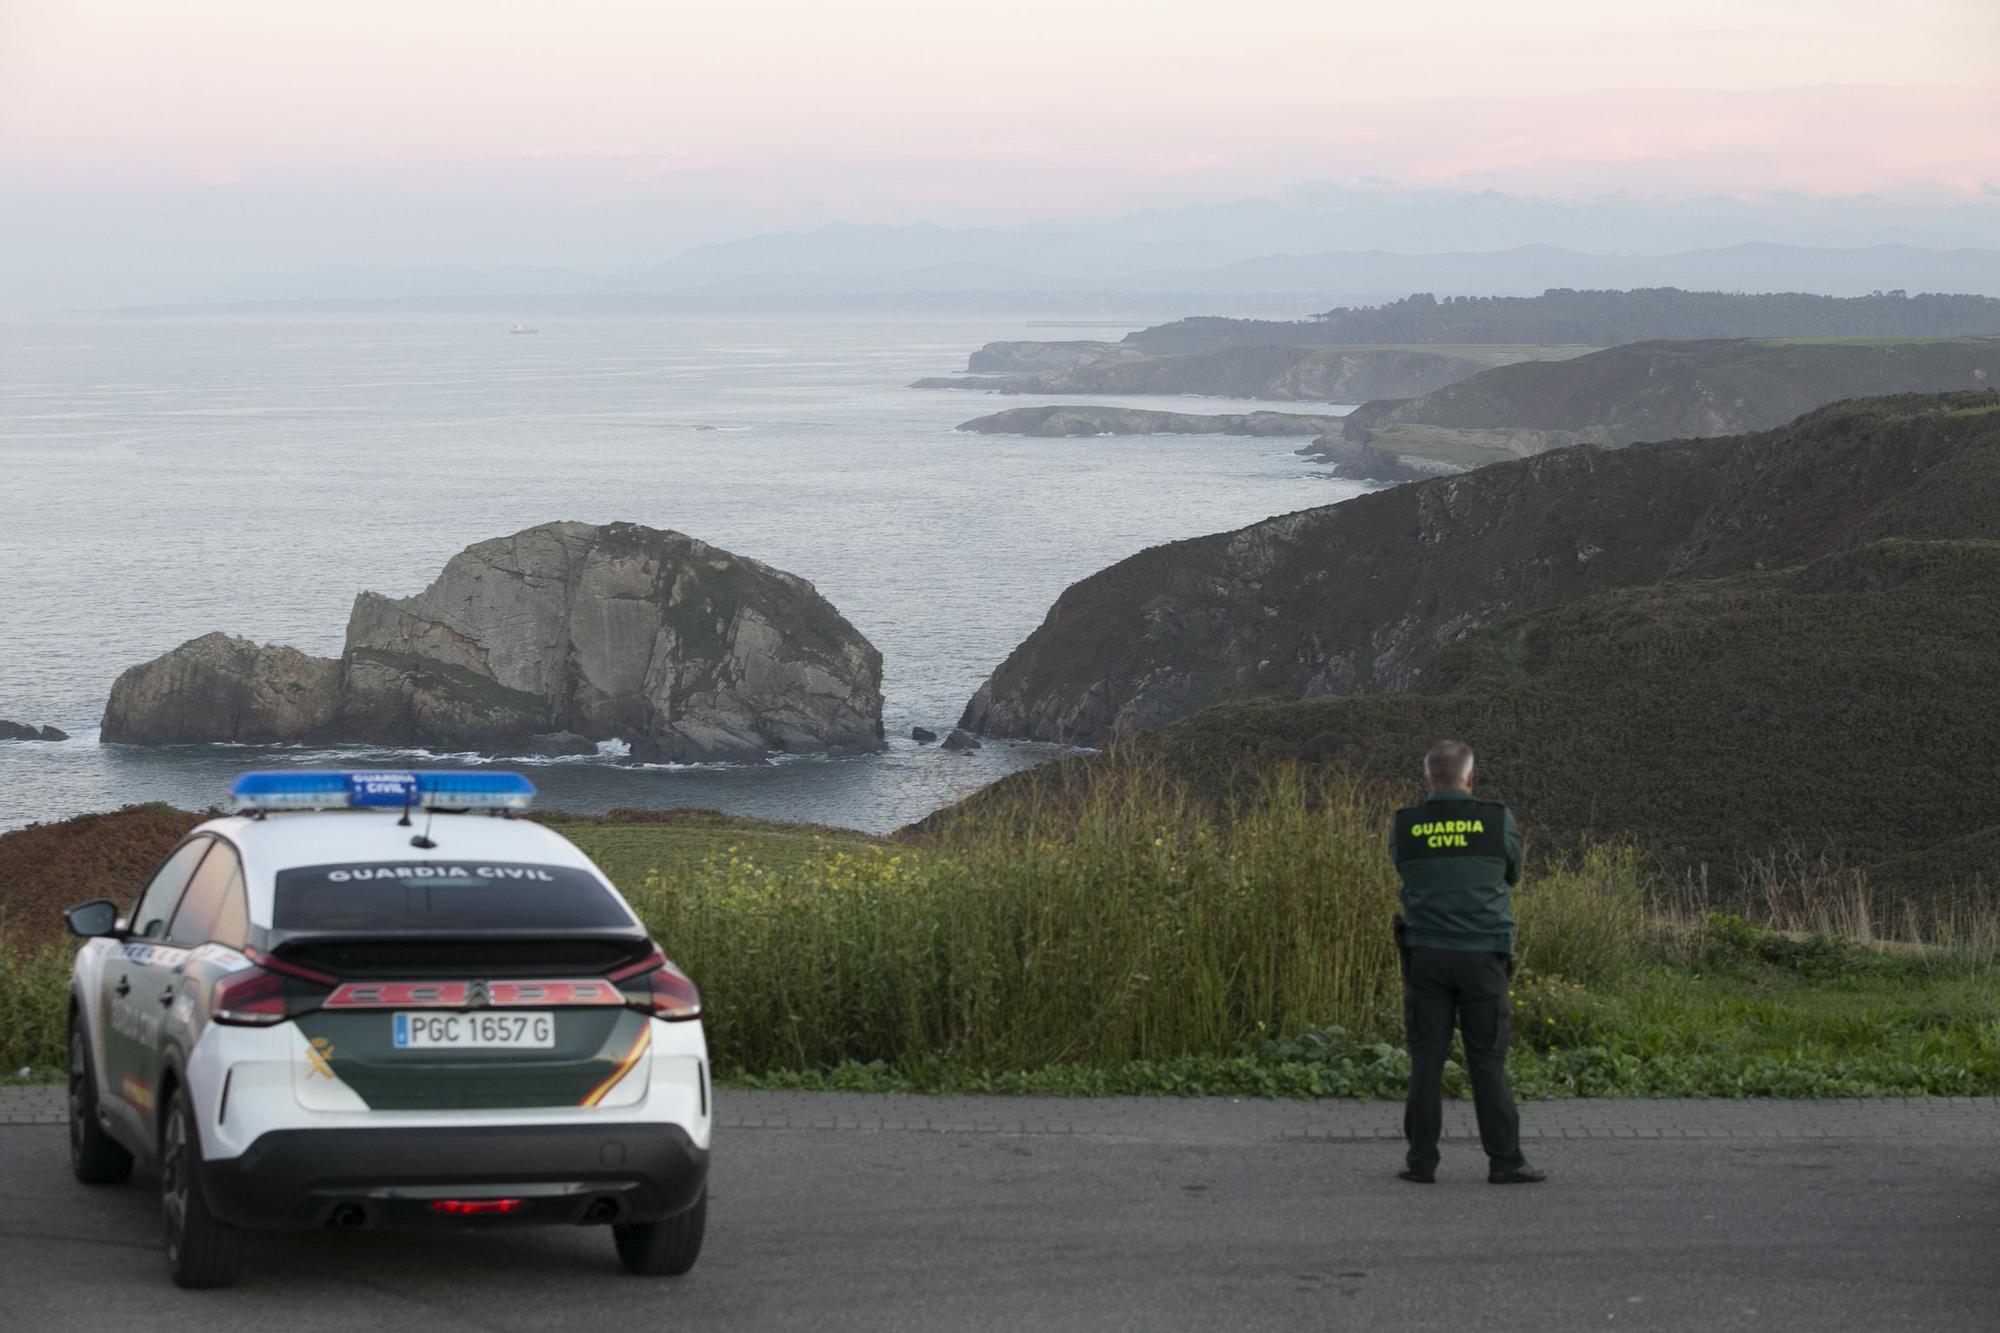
<point x="123" y="988"/>
<point x="167" y="995"/>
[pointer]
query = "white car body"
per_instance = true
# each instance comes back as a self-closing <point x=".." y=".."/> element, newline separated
<point x="306" y="1110"/>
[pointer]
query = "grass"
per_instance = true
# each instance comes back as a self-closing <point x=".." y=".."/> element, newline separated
<point x="1119" y="934"/>
<point x="681" y="843"/>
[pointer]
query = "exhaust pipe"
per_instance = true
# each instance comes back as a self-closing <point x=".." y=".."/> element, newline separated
<point x="346" y="1217"/>
<point x="600" y="1212"/>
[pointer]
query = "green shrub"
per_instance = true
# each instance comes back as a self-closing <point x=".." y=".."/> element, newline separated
<point x="34" y="1009"/>
<point x="1586" y="918"/>
<point x="1734" y="941"/>
<point x="1551" y="1013"/>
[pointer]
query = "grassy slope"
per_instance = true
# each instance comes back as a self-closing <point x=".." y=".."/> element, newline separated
<point x="45" y="868"/>
<point x="1658" y="391"/>
<point x="1846" y="705"/>
<point x="630" y="850"/>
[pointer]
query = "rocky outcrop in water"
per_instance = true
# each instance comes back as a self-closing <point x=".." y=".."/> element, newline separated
<point x="1063" y="422"/>
<point x="223" y="688"/>
<point x="22" y="731"/>
<point x="546" y="641"/>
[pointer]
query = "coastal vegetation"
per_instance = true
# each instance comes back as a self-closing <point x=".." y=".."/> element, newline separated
<point x="1593" y="318"/>
<point x="1660" y="391"/>
<point x="1124" y="932"/>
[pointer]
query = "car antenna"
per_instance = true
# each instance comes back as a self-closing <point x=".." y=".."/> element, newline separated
<point x="423" y="839"/>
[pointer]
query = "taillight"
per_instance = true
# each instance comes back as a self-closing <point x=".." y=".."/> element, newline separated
<point x="268" y="993"/>
<point x="471" y="1207"/>
<point x="658" y="987"/>
<point x="674" y="995"/>
<point x="251" y="998"/>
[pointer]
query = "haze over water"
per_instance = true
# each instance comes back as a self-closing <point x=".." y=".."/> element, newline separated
<point x="169" y="477"/>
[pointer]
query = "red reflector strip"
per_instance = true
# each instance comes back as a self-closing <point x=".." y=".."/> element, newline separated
<point x="467" y="1207"/>
<point x="461" y="994"/>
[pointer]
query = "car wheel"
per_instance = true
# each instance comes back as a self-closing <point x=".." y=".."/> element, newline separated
<point x="666" y="1248"/>
<point x="202" y="1251"/>
<point x="95" y="1157"/>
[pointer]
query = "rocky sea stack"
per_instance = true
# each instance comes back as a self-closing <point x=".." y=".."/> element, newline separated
<point x="28" y="731"/>
<point x="570" y="631"/>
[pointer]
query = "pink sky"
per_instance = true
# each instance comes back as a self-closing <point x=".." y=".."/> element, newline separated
<point x="164" y="149"/>
<point x="1009" y="105"/>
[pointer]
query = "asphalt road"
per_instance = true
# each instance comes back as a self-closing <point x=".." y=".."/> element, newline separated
<point x="1151" y="1216"/>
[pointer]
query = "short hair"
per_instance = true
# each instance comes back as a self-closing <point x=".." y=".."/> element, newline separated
<point x="1448" y="764"/>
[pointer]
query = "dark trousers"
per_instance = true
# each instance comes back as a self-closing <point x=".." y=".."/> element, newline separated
<point x="1443" y="989"/>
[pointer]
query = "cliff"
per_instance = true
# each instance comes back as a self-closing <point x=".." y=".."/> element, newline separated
<point x="1320" y="374"/>
<point x="1359" y="597"/>
<point x="1660" y="391"/>
<point x="560" y="635"/>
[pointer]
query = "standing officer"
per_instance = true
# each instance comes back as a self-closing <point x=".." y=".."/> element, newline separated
<point x="1457" y="857"/>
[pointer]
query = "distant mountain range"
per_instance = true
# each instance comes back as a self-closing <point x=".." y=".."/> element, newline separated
<point x="928" y="267"/>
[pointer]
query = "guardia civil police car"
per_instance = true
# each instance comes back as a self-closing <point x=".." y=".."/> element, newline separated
<point x="321" y="1014"/>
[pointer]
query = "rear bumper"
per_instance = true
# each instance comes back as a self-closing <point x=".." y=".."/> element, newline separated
<point x="302" y="1178"/>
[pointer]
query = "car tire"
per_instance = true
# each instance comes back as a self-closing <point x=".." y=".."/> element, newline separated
<point x="202" y="1250"/>
<point x="95" y="1157"/>
<point x="666" y="1248"/>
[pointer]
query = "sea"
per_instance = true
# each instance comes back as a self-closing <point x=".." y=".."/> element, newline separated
<point x="165" y="476"/>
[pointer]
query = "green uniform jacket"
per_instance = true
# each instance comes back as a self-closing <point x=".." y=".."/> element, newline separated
<point x="1457" y="856"/>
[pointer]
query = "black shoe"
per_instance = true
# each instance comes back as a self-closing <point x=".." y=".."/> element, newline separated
<point x="1417" y="1177"/>
<point x="1519" y="1175"/>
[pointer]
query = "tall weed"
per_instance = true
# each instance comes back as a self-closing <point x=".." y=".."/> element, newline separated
<point x="1092" y="922"/>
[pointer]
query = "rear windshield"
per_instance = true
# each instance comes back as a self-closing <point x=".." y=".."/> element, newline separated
<point x="444" y="896"/>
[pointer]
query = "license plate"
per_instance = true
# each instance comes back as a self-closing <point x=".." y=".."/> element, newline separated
<point x="521" y="1030"/>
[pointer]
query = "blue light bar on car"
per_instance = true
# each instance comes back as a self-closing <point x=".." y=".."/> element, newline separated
<point x="386" y="789"/>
